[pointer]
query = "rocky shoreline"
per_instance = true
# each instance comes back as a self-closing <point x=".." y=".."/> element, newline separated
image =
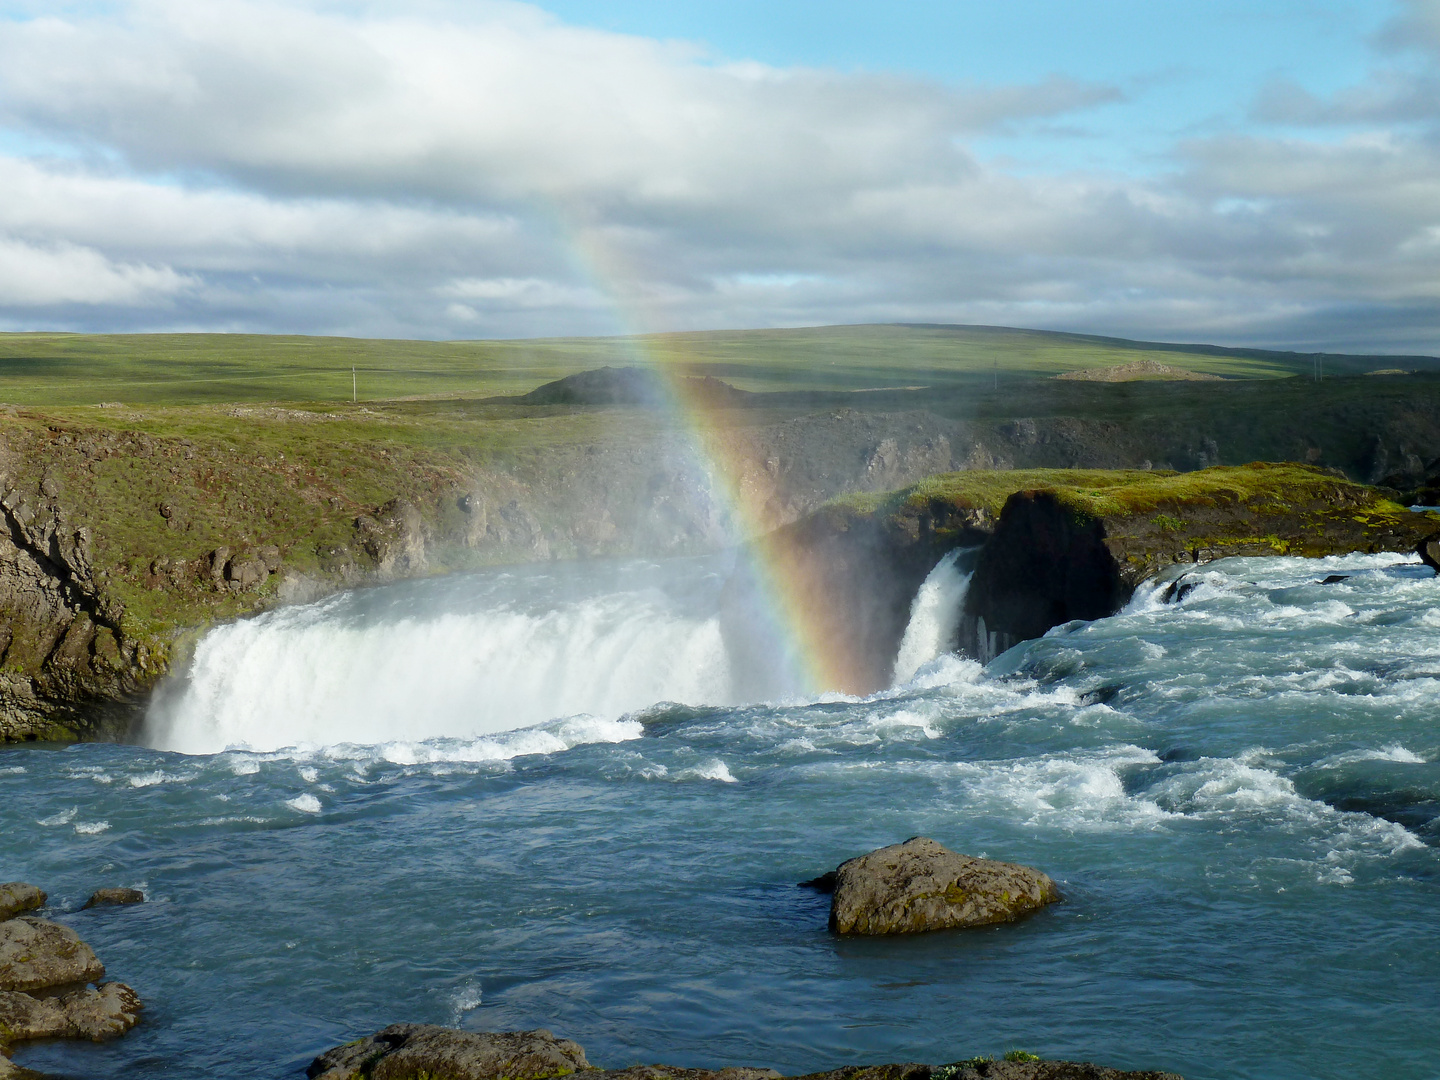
<point x="46" y="977"/>
<point x="427" y="1052"/>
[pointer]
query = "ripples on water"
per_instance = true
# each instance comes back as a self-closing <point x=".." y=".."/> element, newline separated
<point x="1238" y="794"/>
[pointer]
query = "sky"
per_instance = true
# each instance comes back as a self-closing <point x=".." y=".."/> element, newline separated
<point x="1263" y="173"/>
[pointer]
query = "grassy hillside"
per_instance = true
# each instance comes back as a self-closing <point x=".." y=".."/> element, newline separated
<point x="180" y="369"/>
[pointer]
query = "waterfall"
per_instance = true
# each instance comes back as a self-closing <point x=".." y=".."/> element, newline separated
<point x="935" y="614"/>
<point x="391" y="663"/>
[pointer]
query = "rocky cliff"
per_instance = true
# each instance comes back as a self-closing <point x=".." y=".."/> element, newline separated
<point x="1057" y="545"/>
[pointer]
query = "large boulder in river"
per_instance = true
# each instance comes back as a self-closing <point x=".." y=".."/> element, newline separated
<point x="922" y="885"/>
<point x="411" y="1051"/>
<point x="16" y="898"/>
<point x="36" y="954"/>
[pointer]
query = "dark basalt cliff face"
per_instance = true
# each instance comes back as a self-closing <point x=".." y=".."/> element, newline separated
<point x="1043" y="566"/>
<point x="855" y="576"/>
<point x="1071" y="553"/>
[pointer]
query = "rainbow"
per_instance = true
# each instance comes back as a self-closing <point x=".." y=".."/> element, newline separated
<point x="803" y="625"/>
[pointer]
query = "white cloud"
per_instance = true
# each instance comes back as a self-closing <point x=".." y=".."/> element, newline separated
<point x="47" y="275"/>
<point x="487" y="169"/>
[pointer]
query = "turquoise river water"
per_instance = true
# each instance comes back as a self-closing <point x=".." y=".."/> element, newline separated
<point x="476" y="802"/>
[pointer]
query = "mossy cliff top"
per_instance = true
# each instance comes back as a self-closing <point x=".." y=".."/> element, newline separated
<point x="1151" y="517"/>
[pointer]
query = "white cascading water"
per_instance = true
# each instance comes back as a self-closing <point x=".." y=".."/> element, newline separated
<point x="319" y="675"/>
<point x="934" y="617"/>
<point x="405" y="664"/>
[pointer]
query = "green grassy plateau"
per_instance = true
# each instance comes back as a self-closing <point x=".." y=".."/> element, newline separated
<point x="183" y="369"/>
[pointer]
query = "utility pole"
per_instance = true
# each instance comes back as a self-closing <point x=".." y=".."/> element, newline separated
<point x="354" y="386"/>
<point x="996" y="384"/>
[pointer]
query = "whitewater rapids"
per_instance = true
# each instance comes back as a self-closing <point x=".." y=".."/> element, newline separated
<point x="549" y="799"/>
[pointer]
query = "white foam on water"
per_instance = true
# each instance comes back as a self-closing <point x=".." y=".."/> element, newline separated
<point x="550" y="738"/>
<point x="158" y="776"/>
<point x="466" y="999"/>
<point x="306" y="804"/>
<point x="1227" y="789"/>
<point x="313" y="676"/>
<point x="91" y="828"/>
<point x="710" y="770"/>
<point x="934" y="617"/>
<point x="1393" y="752"/>
<point x="1077" y="791"/>
<point x="64" y="817"/>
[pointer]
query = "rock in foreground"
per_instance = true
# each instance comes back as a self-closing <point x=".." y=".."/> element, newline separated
<point x="922" y="885"/>
<point x="16" y="898"/>
<point x="45" y="970"/>
<point x="427" y="1052"/>
<point x="100" y="1013"/>
<point x="36" y="954"/>
<point x="404" y="1051"/>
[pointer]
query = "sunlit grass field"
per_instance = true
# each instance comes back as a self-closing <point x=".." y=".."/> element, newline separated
<point x="45" y="369"/>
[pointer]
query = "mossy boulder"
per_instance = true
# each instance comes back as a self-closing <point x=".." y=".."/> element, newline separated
<point x="36" y="954"/>
<point x="413" y="1051"/>
<point x="922" y="885"/>
<point x="16" y="898"/>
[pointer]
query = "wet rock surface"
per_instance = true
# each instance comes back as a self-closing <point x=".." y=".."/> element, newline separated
<point x="403" y="1051"/>
<point x="36" y="954"/>
<point x="96" y="1013"/>
<point x="922" y="885"/>
<point x="16" y="898"/>
<point x="427" y="1052"/>
<point x="112" y="897"/>
<point x="45" y="970"/>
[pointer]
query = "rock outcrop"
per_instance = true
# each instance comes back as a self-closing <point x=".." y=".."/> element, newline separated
<point x="426" y="1052"/>
<point x="45" y="977"/>
<point x="109" y="897"/>
<point x="36" y="954"/>
<point x="1074" y="551"/>
<point x="403" y="1051"/>
<point x="922" y="885"/>
<point x="16" y="898"/>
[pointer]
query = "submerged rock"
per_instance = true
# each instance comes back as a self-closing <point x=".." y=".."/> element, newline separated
<point x="405" y="1051"/>
<point x="36" y="954"/>
<point x="922" y="885"/>
<point x="108" y="897"/>
<point x="16" y="898"/>
<point x="427" y="1052"/>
